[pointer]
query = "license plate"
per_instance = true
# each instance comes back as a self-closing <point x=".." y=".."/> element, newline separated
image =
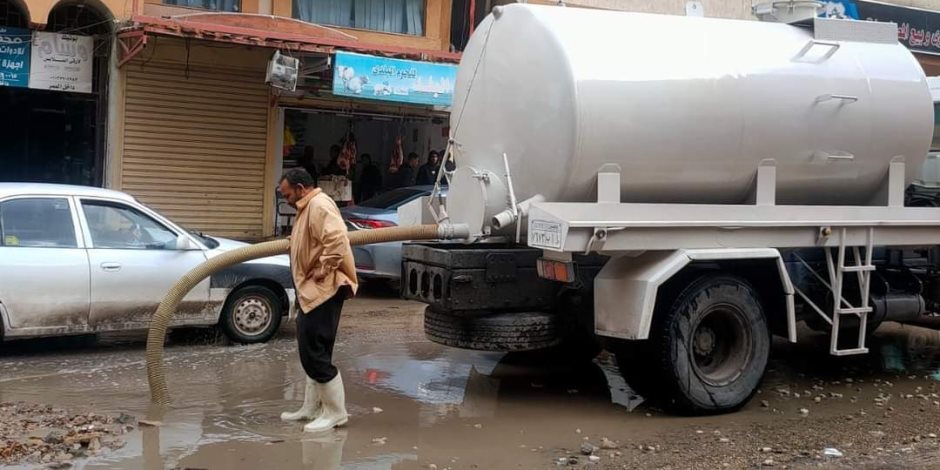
<point x="545" y="234"/>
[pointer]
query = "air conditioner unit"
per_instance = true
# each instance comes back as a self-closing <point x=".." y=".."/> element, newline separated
<point x="282" y="72"/>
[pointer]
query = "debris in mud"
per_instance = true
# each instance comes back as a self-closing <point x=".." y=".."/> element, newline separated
<point x="380" y="441"/>
<point x="832" y="452"/>
<point x="587" y="448"/>
<point x="155" y="424"/>
<point x="377" y="410"/>
<point x="41" y="434"/>
<point x="608" y="444"/>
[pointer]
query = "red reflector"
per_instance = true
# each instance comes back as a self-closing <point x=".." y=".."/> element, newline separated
<point x="546" y="271"/>
<point x="366" y="224"/>
<point x="556" y="270"/>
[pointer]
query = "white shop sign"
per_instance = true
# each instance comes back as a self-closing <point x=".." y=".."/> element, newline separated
<point x="61" y="62"/>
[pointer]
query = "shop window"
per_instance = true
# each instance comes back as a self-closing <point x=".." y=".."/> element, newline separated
<point x="11" y="15"/>
<point x="389" y="16"/>
<point x="211" y="5"/>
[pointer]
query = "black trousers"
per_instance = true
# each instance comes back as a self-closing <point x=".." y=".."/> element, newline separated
<point x="316" y="334"/>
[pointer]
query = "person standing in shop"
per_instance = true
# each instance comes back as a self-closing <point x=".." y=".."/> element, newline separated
<point x="370" y="178"/>
<point x="427" y="174"/>
<point x="308" y="163"/>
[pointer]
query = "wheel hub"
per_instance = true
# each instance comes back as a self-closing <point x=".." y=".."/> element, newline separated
<point x="704" y="341"/>
<point x="720" y="345"/>
<point x="252" y="316"/>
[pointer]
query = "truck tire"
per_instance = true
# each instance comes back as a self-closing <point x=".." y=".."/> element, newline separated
<point x="527" y="331"/>
<point x="708" y="347"/>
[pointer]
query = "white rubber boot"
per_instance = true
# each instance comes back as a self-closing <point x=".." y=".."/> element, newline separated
<point x="311" y="407"/>
<point x="333" y="412"/>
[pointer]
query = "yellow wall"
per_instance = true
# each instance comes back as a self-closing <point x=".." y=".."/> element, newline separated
<point x="437" y="22"/>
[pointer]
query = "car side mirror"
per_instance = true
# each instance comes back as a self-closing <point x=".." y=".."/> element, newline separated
<point x="183" y="243"/>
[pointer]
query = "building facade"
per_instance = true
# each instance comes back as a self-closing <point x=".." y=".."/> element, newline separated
<point x="170" y="100"/>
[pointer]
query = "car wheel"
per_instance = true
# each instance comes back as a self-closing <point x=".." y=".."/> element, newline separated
<point x="251" y="315"/>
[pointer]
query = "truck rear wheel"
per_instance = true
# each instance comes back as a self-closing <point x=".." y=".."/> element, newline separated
<point x="709" y="347"/>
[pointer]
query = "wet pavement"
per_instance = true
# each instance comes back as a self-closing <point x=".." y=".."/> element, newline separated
<point x="415" y="404"/>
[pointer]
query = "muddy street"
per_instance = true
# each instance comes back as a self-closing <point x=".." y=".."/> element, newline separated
<point x="415" y="404"/>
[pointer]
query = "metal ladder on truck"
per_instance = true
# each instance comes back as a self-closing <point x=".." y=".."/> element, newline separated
<point x="842" y="308"/>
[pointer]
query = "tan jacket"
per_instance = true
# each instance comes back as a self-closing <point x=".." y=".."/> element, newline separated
<point x="321" y="258"/>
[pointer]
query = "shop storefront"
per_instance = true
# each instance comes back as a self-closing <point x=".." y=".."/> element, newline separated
<point x="194" y="134"/>
<point x="390" y="107"/>
<point x="205" y="131"/>
<point x="54" y="95"/>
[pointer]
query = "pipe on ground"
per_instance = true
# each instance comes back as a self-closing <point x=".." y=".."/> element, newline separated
<point x="156" y="336"/>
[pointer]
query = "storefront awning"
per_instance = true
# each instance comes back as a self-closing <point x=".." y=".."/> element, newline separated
<point x="260" y="31"/>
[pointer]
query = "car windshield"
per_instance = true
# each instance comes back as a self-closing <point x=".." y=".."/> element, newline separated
<point x="393" y="198"/>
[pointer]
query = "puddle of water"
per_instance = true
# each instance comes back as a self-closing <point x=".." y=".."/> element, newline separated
<point x="439" y="404"/>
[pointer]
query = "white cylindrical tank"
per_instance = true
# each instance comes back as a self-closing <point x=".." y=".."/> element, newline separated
<point x="688" y="107"/>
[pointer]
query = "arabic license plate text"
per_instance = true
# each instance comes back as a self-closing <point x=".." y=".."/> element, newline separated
<point x="545" y="234"/>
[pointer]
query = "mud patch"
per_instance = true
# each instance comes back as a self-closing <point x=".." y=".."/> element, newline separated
<point x="42" y="434"/>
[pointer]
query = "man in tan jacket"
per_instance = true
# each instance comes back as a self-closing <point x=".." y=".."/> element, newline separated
<point x="324" y="276"/>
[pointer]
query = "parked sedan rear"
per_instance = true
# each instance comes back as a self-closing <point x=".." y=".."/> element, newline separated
<point x="381" y="260"/>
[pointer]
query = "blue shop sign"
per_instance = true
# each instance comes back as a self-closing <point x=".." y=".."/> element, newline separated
<point x="404" y="81"/>
<point x="14" y="56"/>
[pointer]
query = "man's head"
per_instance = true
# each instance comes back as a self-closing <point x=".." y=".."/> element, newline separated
<point x="295" y="184"/>
<point x="413" y="160"/>
<point x="366" y="159"/>
<point x="433" y="158"/>
<point x="335" y="150"/>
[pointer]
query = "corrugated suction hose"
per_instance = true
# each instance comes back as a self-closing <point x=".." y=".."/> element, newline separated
<point x="161" y="319"/>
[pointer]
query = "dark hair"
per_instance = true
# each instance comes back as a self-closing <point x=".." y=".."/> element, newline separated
<point x="412" y="156"/>
<point x="298" y="176"/>
<point x="335" y="150"/>
<point x="433" y="153"/>
<point x="365" y="157"/>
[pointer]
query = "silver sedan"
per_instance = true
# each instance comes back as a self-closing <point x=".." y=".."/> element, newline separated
<point x="77" y="260"/>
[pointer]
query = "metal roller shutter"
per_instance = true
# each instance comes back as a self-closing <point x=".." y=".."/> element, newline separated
<point x="194" y="145"/>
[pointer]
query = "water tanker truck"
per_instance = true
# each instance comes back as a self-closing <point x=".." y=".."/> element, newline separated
<point x="678" y="191"/>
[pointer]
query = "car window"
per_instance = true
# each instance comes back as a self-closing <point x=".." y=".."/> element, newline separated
<point x="393" y="199"/>
<point x="37" y="223"/>
<point x="118" y="226"/>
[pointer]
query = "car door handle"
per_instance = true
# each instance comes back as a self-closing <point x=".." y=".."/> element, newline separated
<point x="111" y="267"/>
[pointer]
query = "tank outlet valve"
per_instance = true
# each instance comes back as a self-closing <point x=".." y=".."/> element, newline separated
<point x="453" y="231"/>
